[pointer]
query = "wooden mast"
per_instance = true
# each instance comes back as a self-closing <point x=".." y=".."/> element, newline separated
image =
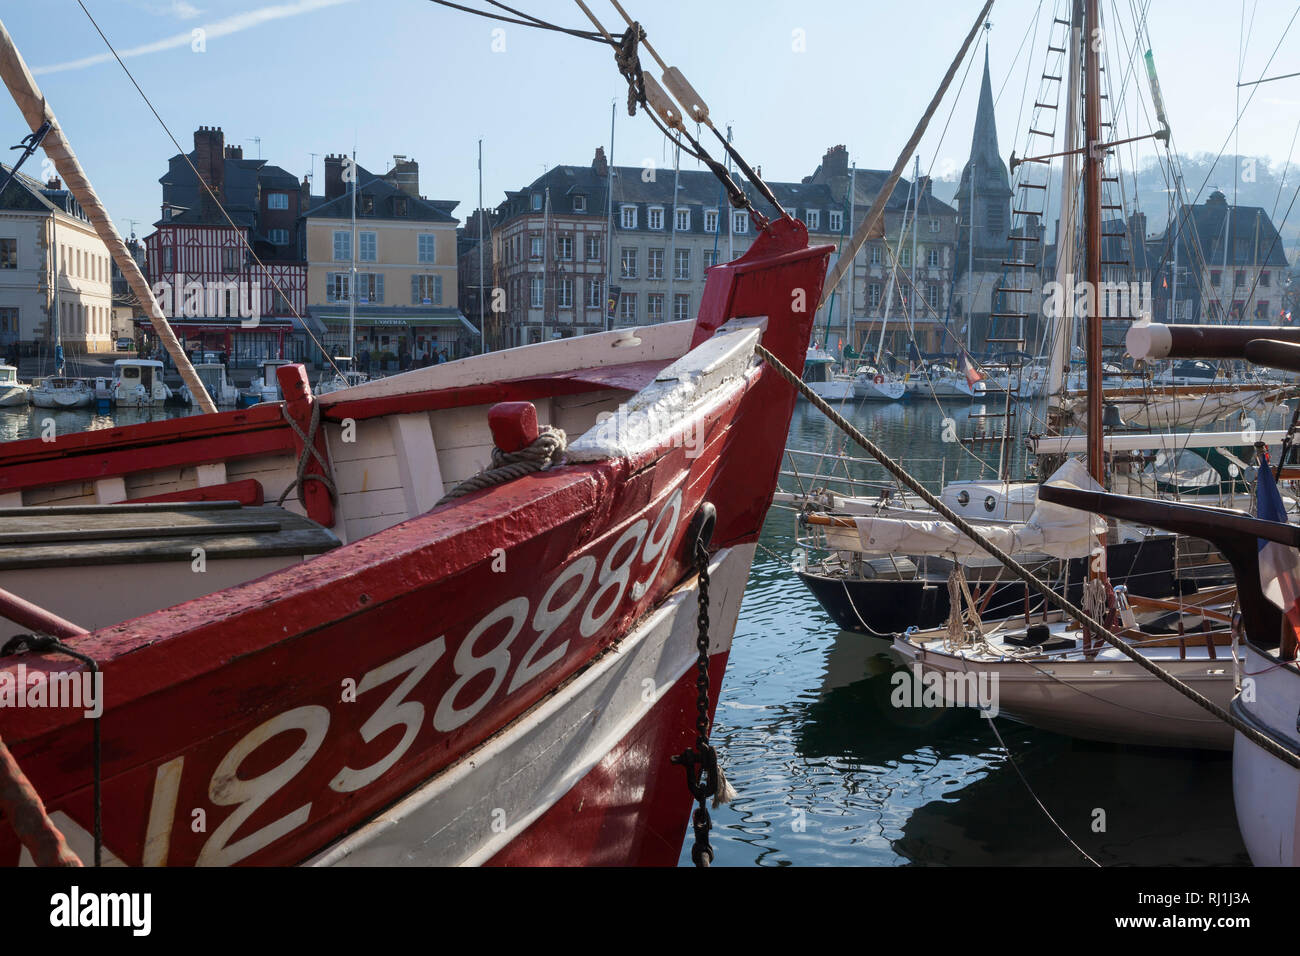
<point x="1093" y="158"/>
<point x="36" y="111"/>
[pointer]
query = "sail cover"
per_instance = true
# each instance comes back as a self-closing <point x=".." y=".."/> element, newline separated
<point x="1051" y="529"/>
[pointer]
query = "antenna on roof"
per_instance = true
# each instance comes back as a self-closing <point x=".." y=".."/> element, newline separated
<point x="258" y="141"/>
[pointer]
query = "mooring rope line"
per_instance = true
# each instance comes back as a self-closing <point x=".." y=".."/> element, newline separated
<point x="1261" y="740"/>
<point x="1046" y="812"/>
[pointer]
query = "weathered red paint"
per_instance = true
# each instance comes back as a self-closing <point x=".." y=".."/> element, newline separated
<point x="41" y="621"/>
<point x="631" y="377"/>
<point x="513" y="425"/>
<point x="298" y="400"/>
<point x="247" y="491"/>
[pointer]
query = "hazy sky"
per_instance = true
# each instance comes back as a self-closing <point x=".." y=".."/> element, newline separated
<point x="412" y="77"/>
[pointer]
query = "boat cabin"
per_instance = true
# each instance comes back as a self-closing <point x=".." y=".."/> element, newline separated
<point x="139" y="382"/>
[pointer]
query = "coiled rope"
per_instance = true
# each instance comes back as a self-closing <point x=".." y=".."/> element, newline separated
<point x="546" y="451"/>
<point x="1090" y="623"/>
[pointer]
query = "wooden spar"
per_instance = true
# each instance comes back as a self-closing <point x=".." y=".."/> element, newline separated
<point x="1092" y="163"/>
<point x="877" y="211"/>
<point x="1068" y="218"/>
<point x="1153" y="340"/>
<point x="36" y="111"/>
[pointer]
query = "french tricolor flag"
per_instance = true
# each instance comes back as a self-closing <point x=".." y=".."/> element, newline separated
<point x="1279" y="565"/>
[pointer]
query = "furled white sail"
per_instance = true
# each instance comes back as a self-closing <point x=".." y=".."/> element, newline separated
<point x="1051" y="529"/>
<point x="1184" y="411"/>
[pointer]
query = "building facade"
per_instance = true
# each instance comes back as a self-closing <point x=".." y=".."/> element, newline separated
<point x="475" y="268"/>
<point x="404" y="292"/>
<point x="1231" y="266"/>
<point x="899" y="288"/>
<point x="52" y="266"/>
<point x="570" y="262"/>
<point x="550" y="249"/>
<point x="225" y="259"/>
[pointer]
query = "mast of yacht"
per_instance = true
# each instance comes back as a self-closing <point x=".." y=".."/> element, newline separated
<point x="58" y="297"/>
<point x="893" y="274"/>
<point x="1066" y="224"/>
<point x="1093" y="157"/>
<point x="848" y="296"/>
<point x="352" y="279"/>
<point x="36" y="111"/>
<point x="916" y="206"/>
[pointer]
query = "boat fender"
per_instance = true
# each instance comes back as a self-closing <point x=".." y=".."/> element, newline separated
<point x="879" y="380"/>
<point x="1038" y="633"/>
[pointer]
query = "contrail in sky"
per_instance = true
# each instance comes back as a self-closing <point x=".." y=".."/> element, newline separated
<point x="211" y="31"/>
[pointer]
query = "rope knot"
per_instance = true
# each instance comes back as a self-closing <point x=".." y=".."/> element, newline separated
<point x="546" y="452"/>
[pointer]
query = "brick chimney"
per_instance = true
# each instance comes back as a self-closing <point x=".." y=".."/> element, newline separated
<point x="209" y="155"/>
<point x="55" y="183"/>
<point x="599" y="164"/>
<point x="405" y="175"/>
<point x="210" y="161"/>
<point x="834" y="172"/>
<point x="334" y="185"/>
<point x="234" y="152"/>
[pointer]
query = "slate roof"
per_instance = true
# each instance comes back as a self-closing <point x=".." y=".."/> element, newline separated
<point x="27" y="194"/>
<point x="695" y="187"/>
<point x="1202" y="231"/>
<point x="192" y="204"/>
<point x="384" y="194"/>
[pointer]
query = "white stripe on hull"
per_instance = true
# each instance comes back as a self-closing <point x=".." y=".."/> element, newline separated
<point x="534" y="762"/>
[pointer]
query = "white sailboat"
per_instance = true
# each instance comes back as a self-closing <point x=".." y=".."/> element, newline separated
<point x="57" y="391"/>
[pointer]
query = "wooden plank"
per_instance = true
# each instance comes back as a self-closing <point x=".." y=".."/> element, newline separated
<point x="420" y="475"/>
<point x="79" y="532"/>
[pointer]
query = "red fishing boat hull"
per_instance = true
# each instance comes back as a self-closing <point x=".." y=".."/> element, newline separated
<point x="343" y="709"/>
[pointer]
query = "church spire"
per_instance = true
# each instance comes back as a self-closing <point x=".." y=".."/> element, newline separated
<point x="984" y="143"/>
<point x="992" y="188"/>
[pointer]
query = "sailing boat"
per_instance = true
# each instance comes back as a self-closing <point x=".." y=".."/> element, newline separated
<point x="1051" y="673"/>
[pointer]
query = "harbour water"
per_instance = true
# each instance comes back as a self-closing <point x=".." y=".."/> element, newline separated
<point x="829" y="773"/>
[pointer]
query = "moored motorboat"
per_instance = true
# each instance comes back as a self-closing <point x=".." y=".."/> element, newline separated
<point x="13" y="393"/>
<point x="139" y="383"/>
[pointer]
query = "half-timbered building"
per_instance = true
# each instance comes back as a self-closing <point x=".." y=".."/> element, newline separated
<point x="225" y="260"/>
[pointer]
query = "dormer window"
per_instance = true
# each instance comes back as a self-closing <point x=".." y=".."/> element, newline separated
<point x="627" y="217"/>
<point x="368" y="204"/>
<point x="579" y="203"/>
<point x="814" y="218"/>
<point x="400" y="206"/>
<point x="655" y="218"/>
<point x="537" y="202"/>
